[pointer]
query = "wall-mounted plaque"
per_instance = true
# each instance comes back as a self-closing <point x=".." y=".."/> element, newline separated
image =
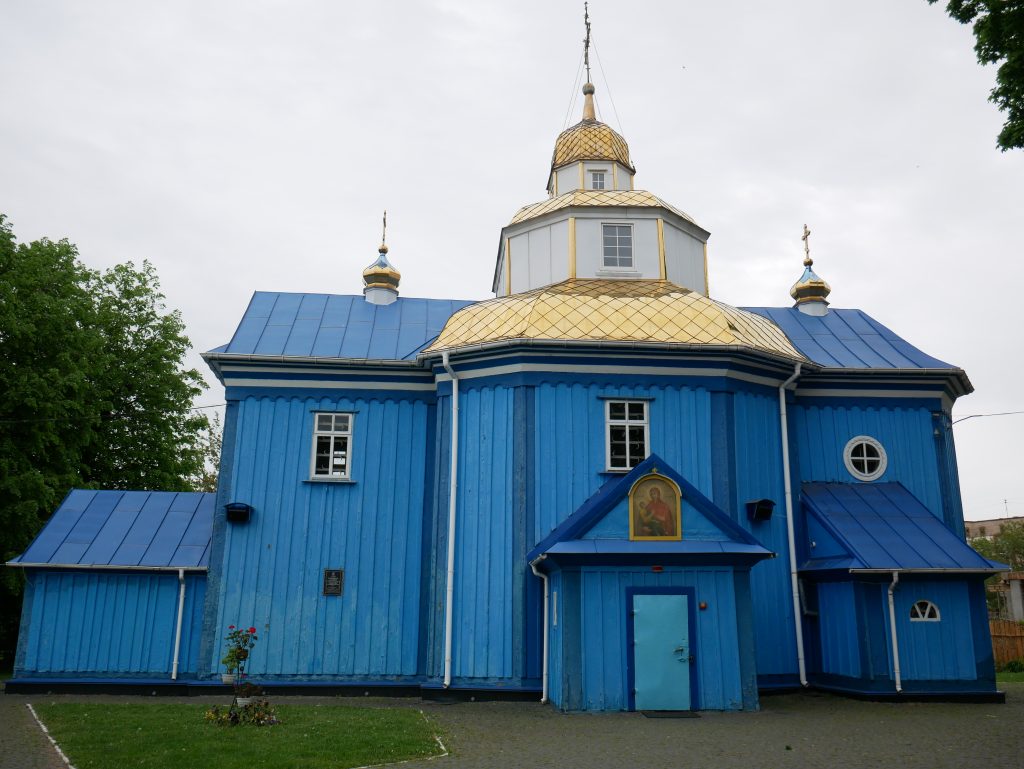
<point x="334" y="581"/>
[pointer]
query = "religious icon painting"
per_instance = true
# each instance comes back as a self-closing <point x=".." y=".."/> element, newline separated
<point x="654" y="509"/>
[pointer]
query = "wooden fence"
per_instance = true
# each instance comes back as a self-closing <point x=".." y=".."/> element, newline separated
<point x="1007" y="640"/>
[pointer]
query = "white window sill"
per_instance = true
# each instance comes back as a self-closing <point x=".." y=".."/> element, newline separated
<point x="612" y="273"/>
<point x="329" y="480"/>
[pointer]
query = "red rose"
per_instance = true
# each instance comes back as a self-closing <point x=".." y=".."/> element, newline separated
<point x="252" y="630"/>
<point x="231" y="627"/>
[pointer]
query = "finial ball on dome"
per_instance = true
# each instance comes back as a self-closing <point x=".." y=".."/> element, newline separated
<point x="588" y="89"/>
<point x="383" y="249"/>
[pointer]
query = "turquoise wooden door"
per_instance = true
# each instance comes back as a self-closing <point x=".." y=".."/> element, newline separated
<point x="661" y="652"/>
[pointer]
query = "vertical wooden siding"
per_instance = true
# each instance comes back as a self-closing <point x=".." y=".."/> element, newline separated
<point x="839" y="630"/>
<point x="906" y="434"/>
<point x="570" y="425"/>
<point x="273" y="566"/>
<point x="604" y="646"/>
<point x="110" y="623"/>
<point x="935" y="651"/>
<point x="483" y="576"/>
<point x="758" y="452"/>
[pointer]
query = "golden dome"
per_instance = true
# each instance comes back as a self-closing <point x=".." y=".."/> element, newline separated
<point x="651" y="311"/>
<point x="810" y="287"/>
<point x="589" y="139"/>
<point x="381" y="274"/>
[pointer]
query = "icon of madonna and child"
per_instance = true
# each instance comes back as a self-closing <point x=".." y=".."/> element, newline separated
<point x="654" y="509"/>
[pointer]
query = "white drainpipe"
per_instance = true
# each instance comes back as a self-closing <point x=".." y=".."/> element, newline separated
<point x="544" y="669"/>
<point x="452" y="504"/>
<point x="177" y="631"/>
<point x="892" y="632"/>
<point x="797" y="619"/>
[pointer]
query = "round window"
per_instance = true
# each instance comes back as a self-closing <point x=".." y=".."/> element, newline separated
<point x="865" y="458"/>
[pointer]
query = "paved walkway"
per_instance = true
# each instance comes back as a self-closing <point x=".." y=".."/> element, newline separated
<point x="806" y="731"/>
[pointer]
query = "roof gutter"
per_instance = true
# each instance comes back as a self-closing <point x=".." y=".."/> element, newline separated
<point x="798" y="625"/>
<point x="104" y="567"/>
<point x="941" y="570"/>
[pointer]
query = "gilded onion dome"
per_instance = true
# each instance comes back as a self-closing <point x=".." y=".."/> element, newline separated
<point x="601" y="310"/>
<point x="811" y="291"/>
<point x="382" y="274"/>
<point x="590" y="139"/>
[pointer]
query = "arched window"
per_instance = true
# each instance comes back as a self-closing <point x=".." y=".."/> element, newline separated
<point x="924" y="611"/>
<point x="865" y="458"/>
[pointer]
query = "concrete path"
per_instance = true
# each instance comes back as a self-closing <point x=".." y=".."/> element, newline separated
<point x="806" y="731"/>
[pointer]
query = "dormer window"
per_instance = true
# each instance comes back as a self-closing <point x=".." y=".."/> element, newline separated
<point x="597" y="180"/>
<point x="618" y="246"/>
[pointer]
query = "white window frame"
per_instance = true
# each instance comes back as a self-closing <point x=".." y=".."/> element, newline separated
<point x="849" y="459"/>
<point x="594" y="173"/>
<point x="335" y="435"/>
<point x="627" y="422"/>
<point x="925" y="611"/>
<point x="604" y="255"/>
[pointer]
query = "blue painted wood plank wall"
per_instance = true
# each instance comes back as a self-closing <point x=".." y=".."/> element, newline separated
<point x="905" y="432"/>
<point x="273" y="566"/>
<point x="604" y="650"/>
<point x="839" y="629"/>
<point x="117" y="624"/>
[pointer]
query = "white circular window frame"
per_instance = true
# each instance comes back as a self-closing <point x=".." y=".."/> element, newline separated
<point x="848" y="458"/>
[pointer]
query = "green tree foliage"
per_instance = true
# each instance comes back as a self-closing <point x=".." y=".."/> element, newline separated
<point x="1006" y="547"/>
<point x="92" y="392"/>
<point x="999" y="39"/>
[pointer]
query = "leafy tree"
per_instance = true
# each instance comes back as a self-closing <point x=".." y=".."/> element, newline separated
<point x="1007" y="546"/>
<point x="212" y="441"/>
<point x="92" y="392"/>
<point x="999" y="39"/>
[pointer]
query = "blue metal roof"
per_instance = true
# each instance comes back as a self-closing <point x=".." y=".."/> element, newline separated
<point x="329" y="326"/>
<point x="847" y="339"/>
<point x="126" y="529"/>
<point x="884" y="526"/>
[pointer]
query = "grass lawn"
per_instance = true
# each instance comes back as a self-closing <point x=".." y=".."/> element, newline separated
<point x="1014" y="678"/>
<point x="98" y="736"/>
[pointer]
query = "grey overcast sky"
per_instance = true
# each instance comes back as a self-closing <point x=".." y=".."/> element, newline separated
<point x="253" y="145"/>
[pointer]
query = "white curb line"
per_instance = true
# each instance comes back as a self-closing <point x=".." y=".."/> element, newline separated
<point x="46" y="731"/>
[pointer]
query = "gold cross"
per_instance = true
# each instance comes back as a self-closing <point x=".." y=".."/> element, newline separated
<point x="807" y="247"/>
<point x="384" y="232"/>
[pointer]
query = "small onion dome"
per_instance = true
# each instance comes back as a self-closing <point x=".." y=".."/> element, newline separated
<point x="590" y="139"/>
<point x="381" y="274"/>
<point x="810" y="287"/>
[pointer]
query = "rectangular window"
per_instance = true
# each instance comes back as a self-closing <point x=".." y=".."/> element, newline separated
<point x="597" y="180"/>
<point x="332" y="441"/>
<point x="618" y="245"/>
<point x="626" y="433"/>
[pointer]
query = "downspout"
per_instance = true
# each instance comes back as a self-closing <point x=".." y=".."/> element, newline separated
<point x="177" y="630"/>
<point x="787" y="486"/>
<point x="452" y="504"/>
<point x="544" y="668"/>
<point x="892" y="632"/>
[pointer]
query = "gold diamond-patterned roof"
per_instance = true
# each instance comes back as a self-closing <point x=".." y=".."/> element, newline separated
<point x="590" y="140"/>
<point x="613" y="311"/>
<point x="608" y="198"/>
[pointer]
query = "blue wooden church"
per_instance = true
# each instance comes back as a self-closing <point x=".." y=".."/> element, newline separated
<point x="602" y="487"/>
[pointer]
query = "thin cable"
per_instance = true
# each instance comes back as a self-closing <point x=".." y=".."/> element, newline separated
<point x="600" y="66"/>
<point x="999" y="414"/>
<point x="572" y="96"/>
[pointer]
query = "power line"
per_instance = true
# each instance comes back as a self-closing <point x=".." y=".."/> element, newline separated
<point x="998" y="414"/>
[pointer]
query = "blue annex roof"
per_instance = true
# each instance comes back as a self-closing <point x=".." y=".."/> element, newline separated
<point x="847" y="339"/>
<point x="126" y="529"/>
<point x="330" y="326"/>
<point x="881" y="526"/>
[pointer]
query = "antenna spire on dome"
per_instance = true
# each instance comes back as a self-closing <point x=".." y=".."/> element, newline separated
<point x="588" y="87"/>
<point x="810" y="292"/>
